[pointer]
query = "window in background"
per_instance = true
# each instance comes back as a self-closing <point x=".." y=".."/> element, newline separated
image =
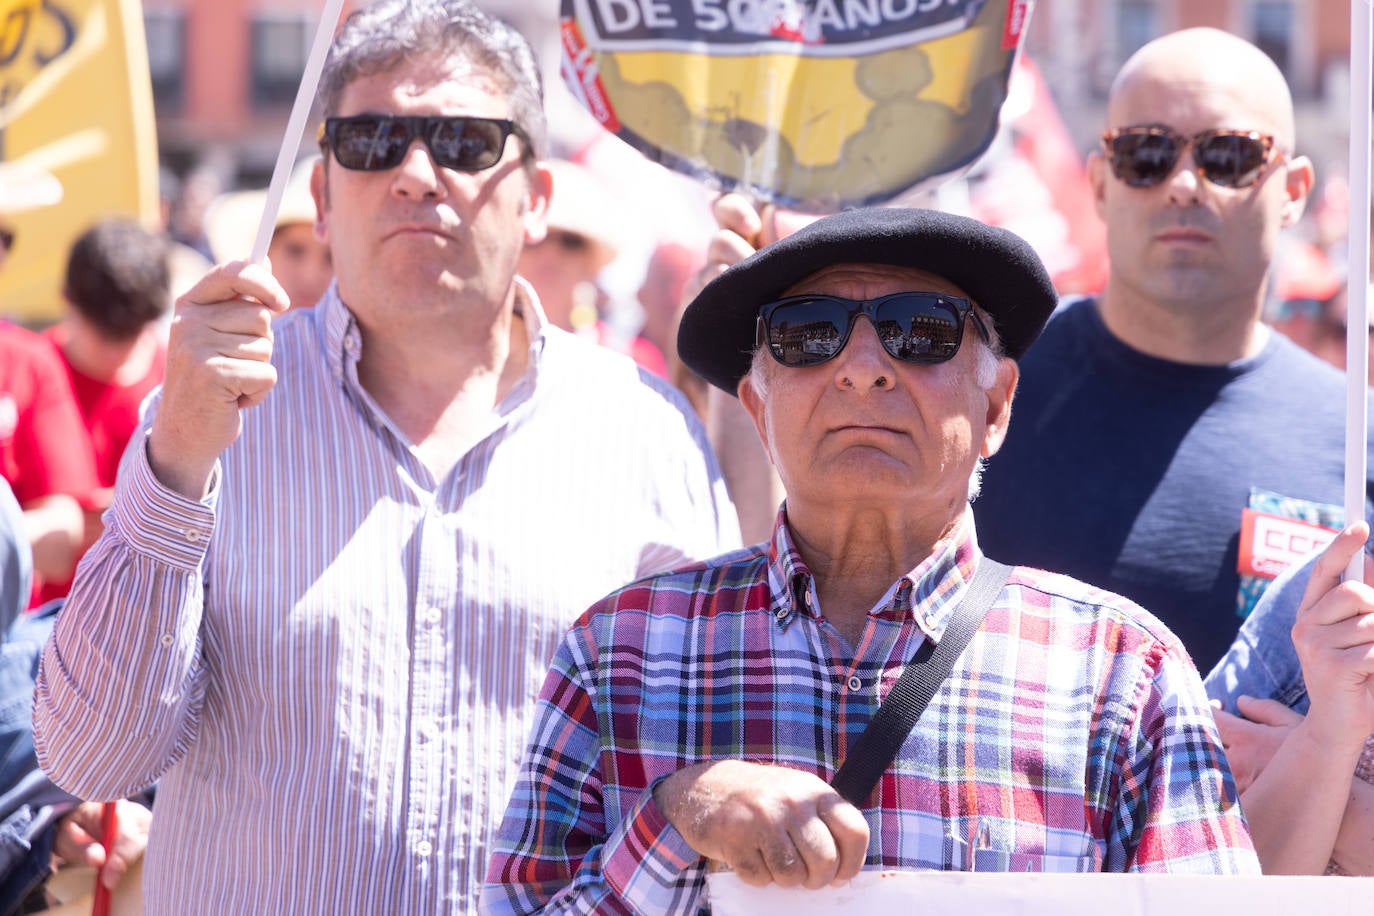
<point x="1137" y="22"/>
<point x="280" y="46"/>
<point x="165" y="32"/>
<point x="1271" y="22"/>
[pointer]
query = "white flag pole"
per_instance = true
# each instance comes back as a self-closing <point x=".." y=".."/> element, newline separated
<point x="1357" y="286"/>
<point x="295" y="127"/>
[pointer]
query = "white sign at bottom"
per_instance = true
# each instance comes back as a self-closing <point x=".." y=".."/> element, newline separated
<point x="1049" y="895"/>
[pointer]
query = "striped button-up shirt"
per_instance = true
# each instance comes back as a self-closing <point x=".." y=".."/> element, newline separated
<point x="330" y="663"/>
<point x="1073" y="729"/>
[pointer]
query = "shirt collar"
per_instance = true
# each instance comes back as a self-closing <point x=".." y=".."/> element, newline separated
<point x="343" y="341"/>
<point x="930" y="592"/>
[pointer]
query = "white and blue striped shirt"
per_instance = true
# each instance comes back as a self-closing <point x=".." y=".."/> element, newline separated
<point x="329" y="664"/>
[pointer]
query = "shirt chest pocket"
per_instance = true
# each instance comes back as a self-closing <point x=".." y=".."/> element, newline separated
<point x="1002" y="860"/>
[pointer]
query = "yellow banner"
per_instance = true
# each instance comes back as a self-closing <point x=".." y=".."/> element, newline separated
<point x="75" y="101"/>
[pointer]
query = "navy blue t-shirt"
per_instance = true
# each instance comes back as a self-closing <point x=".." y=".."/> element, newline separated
<point x="1132" y="472"/>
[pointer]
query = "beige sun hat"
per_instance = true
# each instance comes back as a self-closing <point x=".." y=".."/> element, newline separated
<point x="231" y="220"/>
<point x="582" y="205"/>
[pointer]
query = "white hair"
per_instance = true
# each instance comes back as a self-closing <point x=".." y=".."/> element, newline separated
<point x="984" y="376"/>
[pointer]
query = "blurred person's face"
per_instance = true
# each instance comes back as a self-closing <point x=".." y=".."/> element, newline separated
<point x="1330" y="343"/>
<point x="558" y="268"/>
<point x="301" y="263"/>
<point x="665" y="280"/>
<point x="188" y="213"/>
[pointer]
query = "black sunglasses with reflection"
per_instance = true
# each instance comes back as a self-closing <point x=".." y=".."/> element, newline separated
<point x="374" y="143"/>
<point x="923" y="328"/>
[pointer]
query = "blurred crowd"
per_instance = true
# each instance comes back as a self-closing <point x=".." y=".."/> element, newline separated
<point x="627" y="247"/>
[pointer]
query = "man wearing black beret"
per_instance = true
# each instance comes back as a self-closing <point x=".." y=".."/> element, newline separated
<point x="702" y="714"/>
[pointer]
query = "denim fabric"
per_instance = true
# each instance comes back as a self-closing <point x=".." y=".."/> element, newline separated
<point x="16" y="565"/>
<point x="1262" y="661"/>
<point x="29" y="803"/>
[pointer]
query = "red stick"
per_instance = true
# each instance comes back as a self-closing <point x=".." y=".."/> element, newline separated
<point x="109" y="828"/>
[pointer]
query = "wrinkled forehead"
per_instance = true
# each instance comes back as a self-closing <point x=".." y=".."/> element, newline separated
<point x="869" y="281"/>
<point x="427" y="83"/>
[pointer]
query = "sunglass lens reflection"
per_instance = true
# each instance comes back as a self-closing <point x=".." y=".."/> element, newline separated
<point x="1142" y="160"/>
<point x="808" y="332"/>
<point x="1231" y="161"/>
<point x="467" y="145"/>
<point x="370" y="143"/>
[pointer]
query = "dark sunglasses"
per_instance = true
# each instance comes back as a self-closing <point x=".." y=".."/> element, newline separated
<point x="374" y="143"/>
<point x="921" y="328"/>
<point x="1143" y="157"/>
<point x="6" y="239"/>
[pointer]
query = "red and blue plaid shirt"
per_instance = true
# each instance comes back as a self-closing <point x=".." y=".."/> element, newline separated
<point x="1074" y="728"/>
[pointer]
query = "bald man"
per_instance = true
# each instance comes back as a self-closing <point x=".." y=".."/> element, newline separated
<point x="1161" y="426"/>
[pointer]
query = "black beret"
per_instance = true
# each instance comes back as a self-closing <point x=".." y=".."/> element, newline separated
<point x="998" y="269"/>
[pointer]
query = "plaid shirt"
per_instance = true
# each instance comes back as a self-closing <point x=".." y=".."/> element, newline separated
<point x="1074" y="727"/>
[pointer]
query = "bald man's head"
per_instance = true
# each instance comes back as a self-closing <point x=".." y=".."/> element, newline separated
<point x="1205" y="61"/>
<point x="1193" y="213"/>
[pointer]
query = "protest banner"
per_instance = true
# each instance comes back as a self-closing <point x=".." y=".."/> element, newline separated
<point x="815" y="105"/>
<point x="76" y="102"/>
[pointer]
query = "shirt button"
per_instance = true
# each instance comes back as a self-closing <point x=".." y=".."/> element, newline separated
<point x="433" y="615"/>
<point x="193" y="535"/>
<point x="167" y="639"/>
<point x="424" y="848"/>
<point x="780" y="613"/>
<point x="854" y="683"/>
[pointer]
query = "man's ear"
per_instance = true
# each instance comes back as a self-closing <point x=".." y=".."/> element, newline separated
<point x="999" y="406"/>
<point x="1097" y="179"/>
<point x="319" y="190"/>
<point x="1301" y="177"/>
<point x="536" y="215"/>
<point x="752" y="401"/>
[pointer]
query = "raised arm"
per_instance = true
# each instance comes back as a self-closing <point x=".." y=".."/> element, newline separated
<point x="120" y="681"/>
<point x="1301" y="800"/>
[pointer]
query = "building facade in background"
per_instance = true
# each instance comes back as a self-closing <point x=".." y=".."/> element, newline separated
<point x="225" y="71"/>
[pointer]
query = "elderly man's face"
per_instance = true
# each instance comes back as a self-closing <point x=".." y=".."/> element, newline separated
<point x="868" y="430"/>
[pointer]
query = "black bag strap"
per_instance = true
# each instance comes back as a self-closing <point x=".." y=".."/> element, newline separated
<point x="897" y="715"/>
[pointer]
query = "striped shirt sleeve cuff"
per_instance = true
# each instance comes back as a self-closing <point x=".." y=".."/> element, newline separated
<point x="158" y="522"/>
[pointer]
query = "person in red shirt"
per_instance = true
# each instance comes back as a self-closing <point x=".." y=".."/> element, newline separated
<point x="111" y="340"/>
<point x="45" y="454"/>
